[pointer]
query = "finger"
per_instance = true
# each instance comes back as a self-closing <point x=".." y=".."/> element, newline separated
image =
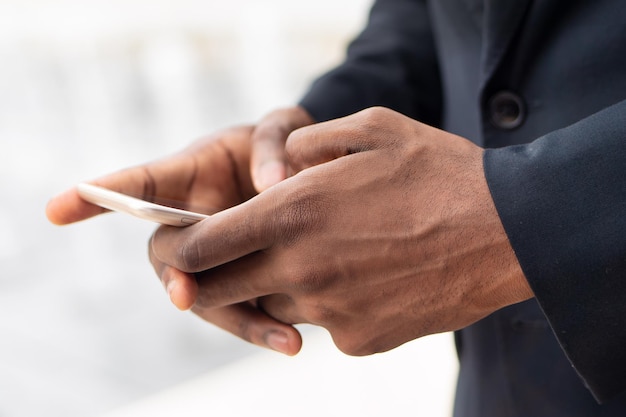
<point x="323" y="142"/>
<point x="69" y="207"/>
<point x="247" y="278"/>
<point x="243" y="319"/>
<point x="253" y="325"/>
<point x="223" y="237"/>
<point x="282" y="307"/>
<point x="182" y="288"/>
<point x="268" y="161"/>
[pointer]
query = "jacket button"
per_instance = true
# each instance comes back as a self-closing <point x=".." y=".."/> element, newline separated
<point x="506" y="110"/>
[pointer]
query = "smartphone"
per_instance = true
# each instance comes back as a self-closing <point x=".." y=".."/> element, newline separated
<point x="115" y="201"/>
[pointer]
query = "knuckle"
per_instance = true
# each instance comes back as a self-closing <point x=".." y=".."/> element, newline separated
<point x="373" y="117"/>
<point x="312" y="281"/>
<point x="352" y="347"/>
<point x="189" y="255"/>
<point x="245" y="332"/>
<point x="381" y="125"/>
<point x="300" y="214"/>
<point x="348" y="344"/>
<point x="360" y="340"/>
<point x="319" y="314"/>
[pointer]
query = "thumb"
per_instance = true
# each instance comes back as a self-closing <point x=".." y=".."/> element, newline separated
<point x="268" y="162"/>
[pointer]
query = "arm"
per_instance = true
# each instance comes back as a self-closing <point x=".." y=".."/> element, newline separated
<point x="392" y="63"/>
<point x="401" y="212"/>
<point x="387" y="233"/>
<point x="562" y="200"/>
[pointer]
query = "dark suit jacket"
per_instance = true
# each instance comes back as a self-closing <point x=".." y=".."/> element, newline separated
<point x="541" y="84"/>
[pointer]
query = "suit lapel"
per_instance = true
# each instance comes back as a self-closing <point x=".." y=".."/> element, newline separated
<point x="502" y="19"/>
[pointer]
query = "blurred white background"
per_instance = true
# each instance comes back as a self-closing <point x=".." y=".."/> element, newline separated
<point x="88" y="87"/>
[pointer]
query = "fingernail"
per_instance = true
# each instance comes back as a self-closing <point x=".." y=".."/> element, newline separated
<point x="170" y="287"/>
<point x="277" y="341"/>
<point x="270" y="173"/>
<point x="175" y="297"/>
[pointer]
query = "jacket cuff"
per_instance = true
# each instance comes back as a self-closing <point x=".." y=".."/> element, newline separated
<point x="562" y="201"/>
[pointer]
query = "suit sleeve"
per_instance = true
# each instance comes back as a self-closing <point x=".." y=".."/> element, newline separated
<point x="562" y="201"/>
<point x="392" y="63"/>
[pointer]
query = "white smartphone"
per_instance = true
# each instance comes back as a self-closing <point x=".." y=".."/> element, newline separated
<point x="115" y="201"/>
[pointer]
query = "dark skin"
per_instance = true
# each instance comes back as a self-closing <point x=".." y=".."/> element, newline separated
<point x="214" y="173"/>
<point x="386" y="233"/>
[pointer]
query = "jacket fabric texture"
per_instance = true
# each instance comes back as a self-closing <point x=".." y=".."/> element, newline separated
<point x="541" y="85"/>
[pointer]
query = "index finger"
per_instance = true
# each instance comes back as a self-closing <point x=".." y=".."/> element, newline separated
<point x="69" y="207"/>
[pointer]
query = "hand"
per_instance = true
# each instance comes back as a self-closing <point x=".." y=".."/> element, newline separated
<point x="210" y="175"/>
<point x="232" y="160"/>
<point x="386" y="234"/>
